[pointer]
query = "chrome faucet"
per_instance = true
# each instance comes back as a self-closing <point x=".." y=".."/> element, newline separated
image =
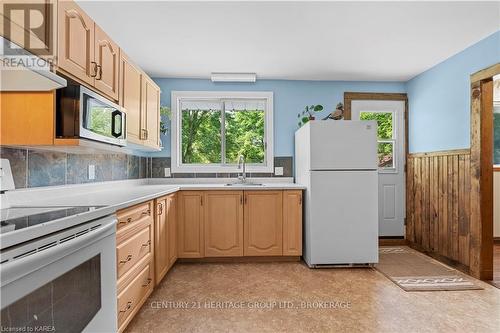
<point x="243" y="176"/>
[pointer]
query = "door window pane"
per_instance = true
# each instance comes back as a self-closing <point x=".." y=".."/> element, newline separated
<point x="384" y="121"/>
<point x="386" y="155"/>
<point x="201" y="132"/>
<point x="244" y="132"/>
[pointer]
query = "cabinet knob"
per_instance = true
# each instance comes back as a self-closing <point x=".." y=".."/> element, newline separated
<point x="99" y="68"/>
<point x="94" y="72"/>
<point x="129" y="257"/>
<point x="148" y="282"/>
<point x="127" y="307"/>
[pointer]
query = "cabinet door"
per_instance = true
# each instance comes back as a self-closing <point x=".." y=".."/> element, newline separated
<point x="190" y="236"/>
<point x="263" y="223"/>
<point x="107" y="57"/>
<point x="161" y="239"/>
<point x="151" y="114"/>
<point x="75" y="42"/>
<point x="292" y="223"/>
<point x="172" y="229"/>
<point x="131" y="97"/>
<point x="223" y="223"/>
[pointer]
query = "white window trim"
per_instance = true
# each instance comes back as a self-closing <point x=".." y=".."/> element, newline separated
<point x="178" y="167"/>
<point x="395" y="154"/>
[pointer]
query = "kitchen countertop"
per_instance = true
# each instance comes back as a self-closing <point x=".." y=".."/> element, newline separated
<point x="113" y="196"/>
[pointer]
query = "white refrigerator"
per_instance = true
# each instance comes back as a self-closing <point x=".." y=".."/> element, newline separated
<point x="337" y="163"/>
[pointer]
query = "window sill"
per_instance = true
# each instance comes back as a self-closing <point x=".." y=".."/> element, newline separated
<point x="221" y="169"/>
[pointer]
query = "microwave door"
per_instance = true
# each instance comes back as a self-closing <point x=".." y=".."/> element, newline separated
<point x="102" y="120"/>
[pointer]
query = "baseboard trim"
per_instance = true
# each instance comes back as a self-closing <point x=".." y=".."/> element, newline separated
<point x="240" y="259"/>
<point x="392" y="241"/>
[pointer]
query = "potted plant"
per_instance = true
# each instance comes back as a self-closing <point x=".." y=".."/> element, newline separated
<point x="164" y="112"/>
<point x="308" y="113"/>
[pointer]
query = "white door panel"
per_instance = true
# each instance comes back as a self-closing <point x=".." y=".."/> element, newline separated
<point x="391" y="178"/>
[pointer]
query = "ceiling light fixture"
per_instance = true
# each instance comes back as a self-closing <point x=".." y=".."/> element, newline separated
<point x="234" y="77"/>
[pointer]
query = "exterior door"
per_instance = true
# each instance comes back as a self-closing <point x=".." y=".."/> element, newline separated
<point x="390" y="116"/>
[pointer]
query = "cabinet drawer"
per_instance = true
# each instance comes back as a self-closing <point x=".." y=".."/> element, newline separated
<point x="128" y="218"/>
<point x="134" y="295"/>
<point x="129" y="252"/>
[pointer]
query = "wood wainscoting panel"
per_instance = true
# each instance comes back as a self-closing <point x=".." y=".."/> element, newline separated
<point x="438" y="204"/>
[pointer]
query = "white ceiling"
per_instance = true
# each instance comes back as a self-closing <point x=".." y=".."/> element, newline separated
<point x="294" y="40"/>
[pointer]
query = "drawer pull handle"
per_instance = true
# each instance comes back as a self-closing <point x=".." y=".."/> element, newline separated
<point x="148" y="282"/>
<point x="146" y="244"/>
<point x="129" y="257"/>
<point x="129" y="305"/>
<point x="146" y="212"/>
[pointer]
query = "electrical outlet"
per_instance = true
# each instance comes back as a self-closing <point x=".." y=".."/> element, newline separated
<point x="278" y="171"/>
<point x="91" y="171"/>
<point x="166" y="172"/>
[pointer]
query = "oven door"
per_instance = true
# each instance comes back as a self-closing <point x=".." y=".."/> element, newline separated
<point x="101" y="119"/>
<point x="67" y="287"/>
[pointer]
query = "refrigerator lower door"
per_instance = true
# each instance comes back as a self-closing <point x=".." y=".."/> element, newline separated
<point x="342" y="218"/>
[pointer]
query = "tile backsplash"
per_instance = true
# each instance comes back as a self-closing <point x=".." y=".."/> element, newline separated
<point x="33" y="168"/>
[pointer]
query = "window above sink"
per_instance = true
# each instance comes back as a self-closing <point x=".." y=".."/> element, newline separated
<point x="211" y="129"/>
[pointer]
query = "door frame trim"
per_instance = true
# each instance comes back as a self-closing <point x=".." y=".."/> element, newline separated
<point x="373" y="96"/>
<point x="481" y="143"/>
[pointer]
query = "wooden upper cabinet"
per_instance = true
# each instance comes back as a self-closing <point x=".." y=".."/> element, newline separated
<point x="263" y="223"/>
<point x="151" y="110"/>
<point x="190" y="227"/>
<point x="292" y="223"/>
<point x="131" y="97"/>
<point x="107" y="58"/>
<point x="75" y="42"/>
<point x="223" y="223"/>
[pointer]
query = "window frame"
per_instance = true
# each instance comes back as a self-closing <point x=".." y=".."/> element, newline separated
<point x="393" y="140"/>
<point x="176" y="136"/>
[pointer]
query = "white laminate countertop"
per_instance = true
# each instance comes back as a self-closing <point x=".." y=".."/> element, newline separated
<point x="120" y="194"/>
<point x="111" y="196"/>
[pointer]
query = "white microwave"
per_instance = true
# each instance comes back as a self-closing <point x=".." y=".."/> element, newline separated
<point x="82" y="113"/>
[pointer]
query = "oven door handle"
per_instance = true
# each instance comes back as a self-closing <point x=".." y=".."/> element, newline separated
<point x="18" y="268"/>
<point x="115" y="114"/>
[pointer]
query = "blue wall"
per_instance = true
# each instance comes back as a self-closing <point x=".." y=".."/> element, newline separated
<point x="439" y="98"/>
<point x="290" y="98"/>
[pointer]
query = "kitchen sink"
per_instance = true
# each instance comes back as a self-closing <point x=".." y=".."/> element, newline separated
<point x="244" y="184"/>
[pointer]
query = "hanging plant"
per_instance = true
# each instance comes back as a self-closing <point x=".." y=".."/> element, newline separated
<point x="308" y="113"/>
<point x="164" y="112"/>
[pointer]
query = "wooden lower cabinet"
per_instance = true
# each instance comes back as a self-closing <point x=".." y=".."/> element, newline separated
<point x="223" y="223"/>
<point x="134" y="260"/>
<point x="190" y="228"/>
<point x="133" y="295"/>
<point x="165" y="235"/>
<point x="292" y="223"/>
<point x="263" y="223"/>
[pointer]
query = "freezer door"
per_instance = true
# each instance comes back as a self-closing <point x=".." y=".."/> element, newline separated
<point x="342" y="219"/>
<point x="343" y="145"/>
